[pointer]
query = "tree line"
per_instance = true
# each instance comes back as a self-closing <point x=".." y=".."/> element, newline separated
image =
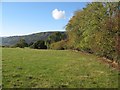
<point x="41" y="44"/>
<point x="95" y="29"/>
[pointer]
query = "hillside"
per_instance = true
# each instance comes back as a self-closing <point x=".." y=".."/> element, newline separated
<point x="28" y="38"/>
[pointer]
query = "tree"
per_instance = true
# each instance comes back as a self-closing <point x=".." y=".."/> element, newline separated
<point x="39" y="45"/>
<point x="21" y="43"/>
<point x="95" y="29"/>
<point x="55" y="37"/>
<point x="30" y="44"/>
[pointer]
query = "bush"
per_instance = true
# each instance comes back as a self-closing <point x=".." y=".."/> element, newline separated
<point x="6" y="46"/>
<point x="39" y="45"/>
<point x="61" y="45"/>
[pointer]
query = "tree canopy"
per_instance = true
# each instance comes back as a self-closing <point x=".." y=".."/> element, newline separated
<point x="95" y="29"/>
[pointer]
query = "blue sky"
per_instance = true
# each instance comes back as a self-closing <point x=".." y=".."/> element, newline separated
<point x="22" y="18"/>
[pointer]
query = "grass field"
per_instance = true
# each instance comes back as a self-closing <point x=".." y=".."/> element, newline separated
<point x="28" y="68"/>
<point x="0" y="67"/>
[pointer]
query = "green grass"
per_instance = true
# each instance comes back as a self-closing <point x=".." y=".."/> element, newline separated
<point x="28" y="68"/>
<point x="0" y="67"/>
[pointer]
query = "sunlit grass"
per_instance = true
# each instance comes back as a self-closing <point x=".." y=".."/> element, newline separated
<point x="27" y="68"/>
<point x="0" y="67"/>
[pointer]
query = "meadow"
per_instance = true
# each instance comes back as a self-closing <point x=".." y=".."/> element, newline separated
<point x="0" y="67"/>
<point x="32" y="68"/>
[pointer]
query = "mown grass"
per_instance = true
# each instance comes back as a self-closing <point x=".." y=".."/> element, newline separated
<point x="28" y="68"/>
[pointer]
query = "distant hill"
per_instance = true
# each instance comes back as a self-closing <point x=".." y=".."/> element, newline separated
<point x="12" y="40"/>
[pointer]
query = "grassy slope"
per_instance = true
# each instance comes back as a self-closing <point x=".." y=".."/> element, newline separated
<point x="55" y="68"/>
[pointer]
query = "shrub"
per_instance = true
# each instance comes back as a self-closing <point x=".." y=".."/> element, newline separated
<point x="61" y="45"/>
<point x="39" y="45"/>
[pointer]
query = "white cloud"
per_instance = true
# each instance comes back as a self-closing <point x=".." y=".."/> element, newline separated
<point x="58" y="14"/>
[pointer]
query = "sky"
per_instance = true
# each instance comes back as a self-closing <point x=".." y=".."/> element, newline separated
<point x="22" y="18"/>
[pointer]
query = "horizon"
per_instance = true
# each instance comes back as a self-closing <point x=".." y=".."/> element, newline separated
<point x="30" y="33"/>
<point x="23" y="18"/>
